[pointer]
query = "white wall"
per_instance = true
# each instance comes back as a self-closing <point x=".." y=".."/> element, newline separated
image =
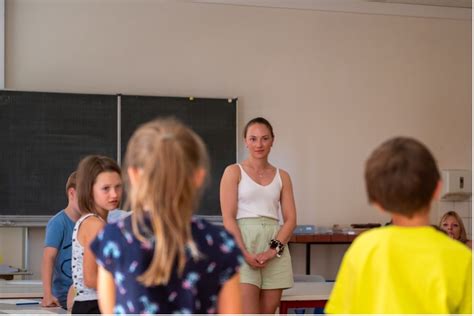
<point x="334" y="85"/>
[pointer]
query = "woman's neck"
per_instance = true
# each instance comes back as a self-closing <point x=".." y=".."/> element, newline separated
<point x="257" y="164"/>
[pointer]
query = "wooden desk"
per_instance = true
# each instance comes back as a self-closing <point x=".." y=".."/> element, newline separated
<point x="327" y="238"/>
<point x="306" y="294"/>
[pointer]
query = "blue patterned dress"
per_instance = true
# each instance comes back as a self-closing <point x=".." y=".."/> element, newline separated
<point x="196" y="291"/>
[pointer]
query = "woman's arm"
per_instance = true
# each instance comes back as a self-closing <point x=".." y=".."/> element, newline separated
<point x="229" y="300"/>
<point x="106" y="291"/>
<point x="228" y="198"/>
<point x="288" y="208"/>
<point x="87" y="233"/>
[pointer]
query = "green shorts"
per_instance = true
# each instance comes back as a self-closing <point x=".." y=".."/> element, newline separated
<point x="278" y="273"/>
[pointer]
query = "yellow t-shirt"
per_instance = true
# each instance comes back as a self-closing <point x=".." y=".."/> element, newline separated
<point x="402" y="270"/>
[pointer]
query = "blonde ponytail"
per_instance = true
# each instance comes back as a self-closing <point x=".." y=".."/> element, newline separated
<point x="168" y="155"/>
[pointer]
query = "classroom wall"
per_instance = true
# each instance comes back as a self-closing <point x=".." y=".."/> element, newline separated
<point x="334" y="85"/>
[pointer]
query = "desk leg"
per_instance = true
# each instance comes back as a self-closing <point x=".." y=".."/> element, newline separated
<point x="283" y="307"/>
<point x="26" y="252"/>
<point x="308" y="259"/>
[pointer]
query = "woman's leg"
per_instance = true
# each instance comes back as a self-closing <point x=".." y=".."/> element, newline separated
<point x="250" y="298"/>
<point x="269" y="300"/>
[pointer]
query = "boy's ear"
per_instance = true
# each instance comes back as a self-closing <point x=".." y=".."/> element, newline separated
<point x="71" y="193"/>
<point x="437" y="191"/>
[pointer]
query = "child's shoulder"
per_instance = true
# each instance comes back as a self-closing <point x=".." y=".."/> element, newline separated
<point x="121" y="228"/>
<point x="60" y="218"/>
<point x="215" y="241"/>
<point x="201" y="224"/>
<point x="59" y="215"/>
<point x="204" y="229"/>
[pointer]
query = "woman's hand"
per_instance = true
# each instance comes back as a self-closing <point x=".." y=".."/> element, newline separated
<point x="265" y="256"/>
<point x="252" y="261"/>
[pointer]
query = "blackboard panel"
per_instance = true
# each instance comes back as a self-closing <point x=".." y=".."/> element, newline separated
<point x="42" y="138"/>
<point x="213" y="119"/>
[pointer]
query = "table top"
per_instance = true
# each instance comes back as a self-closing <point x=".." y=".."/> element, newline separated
<point x="308" y="291"/>
<point x="21" y="289"/>
<point x="8" y="306"/>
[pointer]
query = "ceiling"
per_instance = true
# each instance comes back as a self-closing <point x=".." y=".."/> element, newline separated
<point x="448" y="9"/>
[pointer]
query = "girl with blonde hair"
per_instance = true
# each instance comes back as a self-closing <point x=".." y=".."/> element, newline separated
<point x="161" y="259"/>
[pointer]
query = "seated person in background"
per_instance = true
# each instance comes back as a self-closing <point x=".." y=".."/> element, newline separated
<point x="56" y="265"/>
<point x="408" y="267"/>
<point x="452" y="224"/>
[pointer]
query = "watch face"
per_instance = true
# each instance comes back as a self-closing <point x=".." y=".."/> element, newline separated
<point x="273" y="244"/>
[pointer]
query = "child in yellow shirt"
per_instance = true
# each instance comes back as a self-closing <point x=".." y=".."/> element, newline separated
<point x="407" y="267"/>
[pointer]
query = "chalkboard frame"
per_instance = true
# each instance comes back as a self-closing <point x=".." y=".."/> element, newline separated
<point x="9" y="220"/>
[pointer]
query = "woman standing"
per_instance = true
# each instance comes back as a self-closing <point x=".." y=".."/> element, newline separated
<point x="251" y="194"/>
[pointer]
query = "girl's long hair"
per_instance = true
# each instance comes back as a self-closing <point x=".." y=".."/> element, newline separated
<point x="167" y="155"/>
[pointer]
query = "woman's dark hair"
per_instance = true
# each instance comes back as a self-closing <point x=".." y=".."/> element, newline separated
<point x="258" y="120"/>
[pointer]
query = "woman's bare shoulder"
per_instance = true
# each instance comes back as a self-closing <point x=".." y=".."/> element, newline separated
<point x="284" y="174"/>
<point x="232" y="171"/>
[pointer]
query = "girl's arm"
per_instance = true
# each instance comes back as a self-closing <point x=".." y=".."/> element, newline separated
<point x="89" y="230"/>
<point x="288" y="208"/>
<point x="71" y="293"/>
<point x="229" y="300"/>
<point x="106" y="291"/>
<point x="228" y="198"/>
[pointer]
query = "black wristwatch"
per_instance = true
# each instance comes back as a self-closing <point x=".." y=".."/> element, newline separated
<point x="278" y="246"/>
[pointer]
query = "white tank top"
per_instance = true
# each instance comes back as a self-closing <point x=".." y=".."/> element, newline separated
<point x="83" y="293"/>
<point x="255" y="200"/>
